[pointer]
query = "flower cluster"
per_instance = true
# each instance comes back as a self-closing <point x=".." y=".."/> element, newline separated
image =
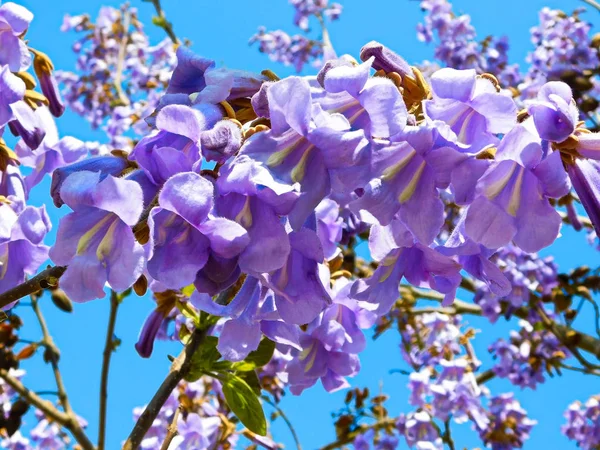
<point x="298" y="50"/>
<point x="457" y="46"/>
<point x="529" y="354"/>
<point x="291" y="156"/>
<point x="528" y="274"/>
<point x="583" y="423"/>
<point x="28" y="115"/>
<point x="120" y="75"/>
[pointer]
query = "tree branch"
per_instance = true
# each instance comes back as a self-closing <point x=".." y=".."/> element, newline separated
<point x="109" y="348"/>
<point x="179" y="369"/>
<point x="42" y="280"/>
<point x="49" y="410"/>
<point x="162" y="21"/>
<point x="171" y="430"/>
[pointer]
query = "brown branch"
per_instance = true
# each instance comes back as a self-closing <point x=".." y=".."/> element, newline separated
<point x="171" y="430"/>
<point x="49" y="410"/>
<point x="109" y="348"/>
<point x="179" y="369"/>
<point x="51" y="353"/>
<point x="42" y="280"/>
<point x="592" y="3"/>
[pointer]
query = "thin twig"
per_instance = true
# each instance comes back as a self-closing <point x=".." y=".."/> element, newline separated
<point x="109" y="347"/>
<point x="592" y="3"/>
<point x="447" y="435"/>
<point x="285" y="419"/>
<point x="163" y="22"/>
<point x="171" y="430"/>
<point x="179" y="369"/>
<point x="48" y="409"/>
<point x="324" y="32"/>
<point x="72" y="423"/>
<point x="121" y="59"/>
<point x="44" y="279"/>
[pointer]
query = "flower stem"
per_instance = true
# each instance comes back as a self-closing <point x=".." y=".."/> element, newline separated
<point x="109" y="348"/>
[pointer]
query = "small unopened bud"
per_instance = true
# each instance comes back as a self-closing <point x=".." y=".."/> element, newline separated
<point x="385" y="59"/>
<point x="43" y="67"/>
<point x="27" y="125"/>
<point x="223" y="141"/>
<point x="141" y="286"/>
<point x="589" y="104"/>
<point x="27" y="352"/>
<point x="595" y="43"/>
<point x="582" y="84"/>
<point x="61" y="301"/>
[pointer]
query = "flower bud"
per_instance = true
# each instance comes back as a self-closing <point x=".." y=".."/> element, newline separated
<point x="43" y="68"/>
<point x="140" y="286"/>
<point x="61" y="301"/>
<point x="385" y="59"/>
<point x="331" y="64"/>
<point x="223" y="141"/>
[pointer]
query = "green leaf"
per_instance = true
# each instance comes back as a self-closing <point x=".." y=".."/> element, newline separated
<point x="244" y="403"/>
<point x="203" y="359"/>
<point x="263" y="354"/>
<point x="253" y="381"/>
<point x="189" y="311"/>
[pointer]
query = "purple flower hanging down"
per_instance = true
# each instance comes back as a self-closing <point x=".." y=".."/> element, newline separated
<point x="96" y="240"/>
<point x="21" y="248"/>
<point x="305" y="145"/>
<point x="554" y="112"/>
<point x="14" y="21"/>
<point x="512" y="196"/>
<point x="12" y="89"/>
<point x="183" y="231"/>
<point x="471" y="106"/>
<point x="400" y="256"/>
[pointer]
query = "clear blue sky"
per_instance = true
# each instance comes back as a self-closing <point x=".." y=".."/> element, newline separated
<point x="220" y="30"/>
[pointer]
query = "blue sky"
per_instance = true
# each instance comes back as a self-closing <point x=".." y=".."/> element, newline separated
<point x="220" y="30"/>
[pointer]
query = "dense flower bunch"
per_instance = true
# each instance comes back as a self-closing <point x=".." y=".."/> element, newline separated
<point x="457" y="46"/>
<point x="583" y="423"/>
<point x="28" y="115"/>
<point x="120" y="76"/>
<point x="528" y="274"/>
<point x="298" y="50"/>
<point x="240" y="206"/>
<point x="529" y="354"/>
<point x="444" y="387"/>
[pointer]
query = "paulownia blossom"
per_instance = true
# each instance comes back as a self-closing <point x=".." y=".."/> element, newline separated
<point x="96" y="240"/>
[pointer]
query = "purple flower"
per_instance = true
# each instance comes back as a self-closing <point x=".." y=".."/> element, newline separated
<point x="21" y="243"/>
<point x="14" y="21"/>
<point x="183" y="231"/>
<point x="373" y="104"/>
<point x="196" y="432"/>
<point x="554" y="112"/>
<point x="222" y="141"/>
<point x="329" y="227"/>
<point x="400" y="256"/>
<point x="418" y="430"/>
<point x="508" y="426"/>
<point x="299" y="292"/>
<point x="96" y="240"/>
<point x="512" y="195"/>
<point x="12" y="89"/>
<point x="52" y="153"/>
<point x="12" y="188"/>
<point x="583" y="423"/>
<point x="251" y="314"/>
<point x="385" y="59"/>
<point x="106" y="165"/>
<point x="305" y="145"/>
<point x="471" y="106"/>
